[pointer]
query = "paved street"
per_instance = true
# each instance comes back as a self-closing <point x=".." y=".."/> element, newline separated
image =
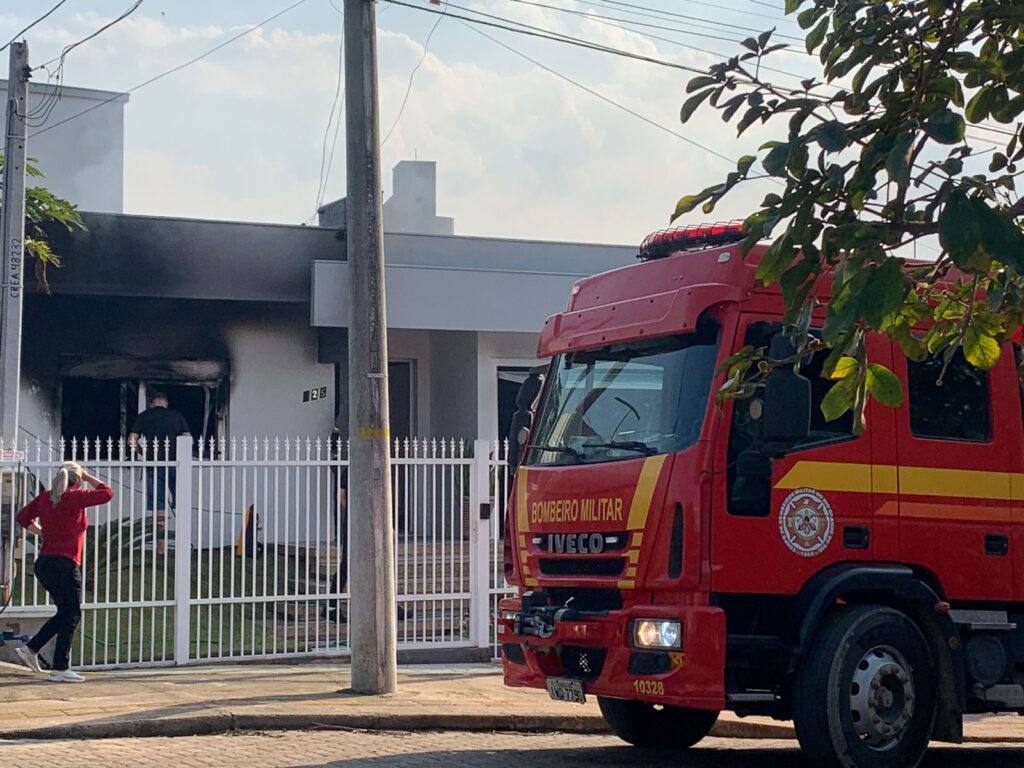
<point x="407" y="750"/>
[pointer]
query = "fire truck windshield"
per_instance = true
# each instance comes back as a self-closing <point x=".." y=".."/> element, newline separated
<point x="627" y="400"/>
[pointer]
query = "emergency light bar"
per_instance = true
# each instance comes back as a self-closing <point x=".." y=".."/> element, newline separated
<point x="669" y="241"/>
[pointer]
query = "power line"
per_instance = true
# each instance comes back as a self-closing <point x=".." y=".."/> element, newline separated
<point x="330" y="117"/>
<point x="171" y="71"/>
<point x="595" y="16"/>
<point x="63" y="54"/>
<point x="34" y="23"/>
<point x="412" y="75"/>
<point x="544" y="34"/>
<point x="657" y="13"/>
<point x="597" y="94"/>
<point x="618" y="24"/>
<point x="701" y="19"/>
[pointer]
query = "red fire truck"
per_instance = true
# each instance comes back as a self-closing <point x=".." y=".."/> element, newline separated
<point x="676" y="558"/>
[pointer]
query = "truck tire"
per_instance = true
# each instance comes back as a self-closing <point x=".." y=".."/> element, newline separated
<point x="643" y="724"/>
<point x="864" y="696"/>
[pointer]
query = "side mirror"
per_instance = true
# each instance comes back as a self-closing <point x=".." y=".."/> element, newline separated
<point x="787" y="399"/>
<point x="522" y="419"/>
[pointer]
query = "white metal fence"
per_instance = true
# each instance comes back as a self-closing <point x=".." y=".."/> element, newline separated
<point x="255" y="565"/>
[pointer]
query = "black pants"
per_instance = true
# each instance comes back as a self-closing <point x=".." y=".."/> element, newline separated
<point x="63" y="580"/>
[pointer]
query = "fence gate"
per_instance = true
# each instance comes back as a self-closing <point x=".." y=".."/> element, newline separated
<point x="255" y="566"/>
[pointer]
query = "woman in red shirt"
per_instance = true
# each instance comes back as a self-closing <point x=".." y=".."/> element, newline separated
<point x="58" y="515"/>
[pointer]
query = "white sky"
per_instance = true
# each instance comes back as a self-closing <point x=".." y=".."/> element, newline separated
<point x="520" y="153"/>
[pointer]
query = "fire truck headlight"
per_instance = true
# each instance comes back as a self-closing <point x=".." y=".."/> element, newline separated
<point x="509" y="616"/>
<point x="657" y="633"/>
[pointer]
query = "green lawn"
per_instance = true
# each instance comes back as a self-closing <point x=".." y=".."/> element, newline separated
<point x="112" y="635"/>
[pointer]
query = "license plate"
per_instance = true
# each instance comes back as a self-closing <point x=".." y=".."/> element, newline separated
<point x="566" y="689"/>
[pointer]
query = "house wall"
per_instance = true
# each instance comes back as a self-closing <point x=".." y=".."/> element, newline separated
<point x="453" y="382"/>
<point x="273" y="361"/>
<point x="82" y="160"/>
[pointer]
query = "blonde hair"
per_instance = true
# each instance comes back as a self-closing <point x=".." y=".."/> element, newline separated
<point x="69" y="475"/>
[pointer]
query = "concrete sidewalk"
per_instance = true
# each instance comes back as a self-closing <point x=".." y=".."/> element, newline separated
<point x="207" y="699"/>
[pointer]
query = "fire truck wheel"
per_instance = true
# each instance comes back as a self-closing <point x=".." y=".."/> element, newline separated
<point x="865" y="694"/>
<point x="643" y="724"/>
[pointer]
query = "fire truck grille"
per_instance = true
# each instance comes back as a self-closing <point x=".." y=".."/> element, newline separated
<point x="591" y="566"/>
<point x="583" y="663"/>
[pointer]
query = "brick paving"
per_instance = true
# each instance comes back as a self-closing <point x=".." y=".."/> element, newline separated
<point x="427" y="749"/>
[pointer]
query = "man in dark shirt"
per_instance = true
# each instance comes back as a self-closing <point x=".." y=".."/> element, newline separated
<point x="159" y="427"/>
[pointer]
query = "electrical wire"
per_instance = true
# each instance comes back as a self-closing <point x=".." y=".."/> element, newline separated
<point x="727" y="27"/>
<point x="40" y="114"/>
<point x="41" y="19"/>
<point x="68" y="49"/>
<point x="595" y="16"/>
<point x="597" y="94"/>
<point x="173" y="70"/>
<point x="412" y="76"/>
<point x="657" y="13"/>
<point x="651" y="36"/>
<point x="548" y="35"/>
<point x="330" y="118"/>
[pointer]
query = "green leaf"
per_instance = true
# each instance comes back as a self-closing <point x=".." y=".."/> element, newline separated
<point x="792" y="5"/>
<point x="840" y="398"/>
<point x="776" y="260"/>
<point x="831" y="136"/>
<point x="999" y="238"/>
<point x="690" y="202"/>
<point x="691" y="104"/>
<point x="817" y="34"/>
<point x="775" y="161"/>
<point x="703" y="81"/>
<point x="897" y="162"/>
<point x="884" y="385"/>
<point x="980" y="105"/>
<point x="846" y="366"/>
<point x="751" y="44"/>
<point x="945" y="127"/>
<point x="980" y="349"/>
<point x="959" y="232"/>
<point x="882" y="296"/>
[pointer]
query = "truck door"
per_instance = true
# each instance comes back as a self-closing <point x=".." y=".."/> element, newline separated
<point x="1017" y="485"/>
<point x="779" y="521"/>
<point x="957" y="442"/>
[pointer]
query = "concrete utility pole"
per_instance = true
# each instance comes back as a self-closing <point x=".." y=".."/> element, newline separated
<point x="373" y="609"/>
<point x="12" y="223"/>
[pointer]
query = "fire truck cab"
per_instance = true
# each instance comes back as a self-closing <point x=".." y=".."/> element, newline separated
<point x="676" y="557"/>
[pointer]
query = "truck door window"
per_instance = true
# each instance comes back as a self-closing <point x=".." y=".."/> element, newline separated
<point x="749" y="479"/>
<point x="956" y="409"/>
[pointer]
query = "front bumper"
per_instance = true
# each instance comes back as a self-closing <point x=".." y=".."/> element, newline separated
<point x="597" y="648"/>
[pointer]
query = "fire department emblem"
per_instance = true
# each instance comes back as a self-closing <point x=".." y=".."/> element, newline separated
<point x="806" y="522"/>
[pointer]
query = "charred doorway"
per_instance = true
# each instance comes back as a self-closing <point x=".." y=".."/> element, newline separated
<point x="100" y="397"/>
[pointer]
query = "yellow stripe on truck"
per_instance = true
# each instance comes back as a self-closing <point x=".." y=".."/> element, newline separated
<point x="907" y="481"/>
<point x="648" y="479"/>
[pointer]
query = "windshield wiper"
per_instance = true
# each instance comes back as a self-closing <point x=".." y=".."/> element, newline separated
<point x="625" y="445"/>
<point x="578" y="455"/>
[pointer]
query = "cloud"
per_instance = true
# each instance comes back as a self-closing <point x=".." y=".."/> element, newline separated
<point x="520" y="152"/>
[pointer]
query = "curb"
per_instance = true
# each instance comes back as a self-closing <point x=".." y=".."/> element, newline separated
<point x="216" y="723"/>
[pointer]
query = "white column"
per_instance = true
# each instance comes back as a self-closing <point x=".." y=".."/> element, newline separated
<point x="183" y="552"/>
<point x="480" y="546"/>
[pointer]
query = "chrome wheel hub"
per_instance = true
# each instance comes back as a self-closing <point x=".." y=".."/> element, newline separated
<point x="882" y="697"/>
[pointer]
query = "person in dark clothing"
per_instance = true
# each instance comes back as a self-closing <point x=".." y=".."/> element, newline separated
<point x="159" y="426"/>
<point x="58" y="515"/>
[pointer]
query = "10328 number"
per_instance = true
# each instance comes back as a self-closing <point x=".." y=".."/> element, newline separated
<point x="649" y="687"/>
